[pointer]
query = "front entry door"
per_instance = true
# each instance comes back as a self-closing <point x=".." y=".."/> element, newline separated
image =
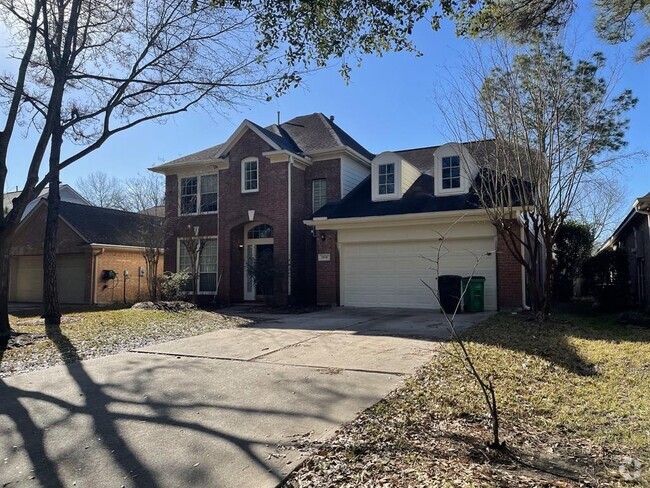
<point x="258" y="265"/>
<point x="260" y="271"/>
<point x="264" y="270"/>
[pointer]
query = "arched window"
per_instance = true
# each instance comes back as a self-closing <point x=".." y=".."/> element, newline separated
<point x="262" y="231"/>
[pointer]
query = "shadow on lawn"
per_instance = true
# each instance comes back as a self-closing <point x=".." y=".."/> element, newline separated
<point x="22" y="311"/>
<point x="551" y="340"/>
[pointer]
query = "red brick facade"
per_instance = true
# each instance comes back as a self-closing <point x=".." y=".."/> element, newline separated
<point x="28" y="243"/>
<point x="310" y="277"/>
<point x="327" y="268"/>
<point x="270" y="205"/>
<point x="509" y="277"/>
<point x="129" y="287"/>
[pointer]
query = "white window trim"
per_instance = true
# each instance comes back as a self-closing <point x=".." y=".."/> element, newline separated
<point x="397" y="194"/>
<point x="460" y="175"/>
<point x="198" y="194"/>
<point x="468" y="169"/>
<point x="178" y="263"/>
<point x="313" y="184"/>
<point x="464" y="180"/>
<point x="243" y="172"/>
<point x="379" y="184"/>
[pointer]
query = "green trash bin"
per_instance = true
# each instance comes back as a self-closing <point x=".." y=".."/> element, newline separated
<point x="474" y="294"/>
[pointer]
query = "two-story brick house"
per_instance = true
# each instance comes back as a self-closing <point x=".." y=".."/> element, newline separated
<point x="250" y="196"/>
<point x="344" y="226"/>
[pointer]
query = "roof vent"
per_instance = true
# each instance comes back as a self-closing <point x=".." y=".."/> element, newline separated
<point x="331" y="118"/>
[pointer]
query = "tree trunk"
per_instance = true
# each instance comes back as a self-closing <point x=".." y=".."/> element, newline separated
<point x="548" y="281"/>
<point x="51" y="309"/>
<point x="5" y="327"/>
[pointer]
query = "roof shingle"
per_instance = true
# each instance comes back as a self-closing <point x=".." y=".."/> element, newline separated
<point x="301" y="135"/>
<point x="107" y="226"/>
<point x="418" y="199"/>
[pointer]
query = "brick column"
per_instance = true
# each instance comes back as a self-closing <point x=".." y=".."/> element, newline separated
<point x="509" y="284"/>
<point x="327" y="272"/>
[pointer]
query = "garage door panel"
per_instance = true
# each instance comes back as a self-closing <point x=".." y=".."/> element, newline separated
<point x="27" y="274"/>
<point x="390" y="274"/>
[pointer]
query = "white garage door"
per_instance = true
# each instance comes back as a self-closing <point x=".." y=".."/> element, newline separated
<point x="389" y="274"/>
<point x="27" y="279"/>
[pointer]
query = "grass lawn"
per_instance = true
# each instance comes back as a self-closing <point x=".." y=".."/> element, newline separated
<point x="91" y="332"/>
<point x="574" y="395"/>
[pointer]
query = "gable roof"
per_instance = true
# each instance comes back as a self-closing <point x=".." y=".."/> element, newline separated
<point x="316" y="132"/>
<point x="422" y="157"/>
<point x="67" y="193"/>
<point x="641" y="206"/>
<point x="99" y="225"/>
<point x="301" y="136"/>
<point x="208" y="154"/>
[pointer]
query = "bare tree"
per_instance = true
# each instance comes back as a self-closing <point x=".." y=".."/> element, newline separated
<point x="154" y="243"/>
<point x="144" y="193"/>
<point x="90" y="69"/>
<point x="546" y="122"/>
<point x="194" y="244"/>
<point x="599" y="205"/>
<point x="102" y="190"/>
<point x="459" y="348"/>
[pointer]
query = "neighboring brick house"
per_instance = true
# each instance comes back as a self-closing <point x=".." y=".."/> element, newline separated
<point x="346" y="226"/>
<point x="633" y="235"/>
<point x="91" y="242"/>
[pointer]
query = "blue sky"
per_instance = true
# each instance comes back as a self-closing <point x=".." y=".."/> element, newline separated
<point x="388" y="104"/>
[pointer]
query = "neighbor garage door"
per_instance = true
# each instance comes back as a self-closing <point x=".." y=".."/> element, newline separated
<point x="390" y="274"/>
<point x="27" y="278"/>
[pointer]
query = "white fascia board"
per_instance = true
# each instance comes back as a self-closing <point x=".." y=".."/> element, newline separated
<point x="618" y="231"/>
<point x="191" y="166"/>
<point x="282" y="156"/>
<point x="337" y="151"/>
<point x="96" y="245"/>
<point x="476" y="215"/>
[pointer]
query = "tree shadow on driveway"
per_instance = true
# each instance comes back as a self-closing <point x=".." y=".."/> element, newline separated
<point x="148" y="421"/>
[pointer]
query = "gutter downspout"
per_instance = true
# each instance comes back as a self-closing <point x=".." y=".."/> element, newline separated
<point x="289" y="223"/>
<point x="93" y="298"/>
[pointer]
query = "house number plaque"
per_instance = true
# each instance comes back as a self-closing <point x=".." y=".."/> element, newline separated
<point x="324" y="257"/>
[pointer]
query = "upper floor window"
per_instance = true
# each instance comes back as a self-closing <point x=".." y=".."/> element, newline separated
<point x="250" y="175"/>
<point x="318" y="193"/>
<point x="386" y="180"/>
<point x="209" y="193"/>
<point x="450" y="172"/>
<point x="199" y="194"/>
<point x="189" y="187"/>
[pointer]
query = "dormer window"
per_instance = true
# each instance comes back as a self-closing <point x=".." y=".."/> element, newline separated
<point x="454" y="169"/>
<point x="450" y="172"/>
<point x="386" y="173"/>
<point x="391" y="176"/>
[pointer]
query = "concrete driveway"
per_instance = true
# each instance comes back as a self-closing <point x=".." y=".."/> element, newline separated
<point x="218" y="410"/>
